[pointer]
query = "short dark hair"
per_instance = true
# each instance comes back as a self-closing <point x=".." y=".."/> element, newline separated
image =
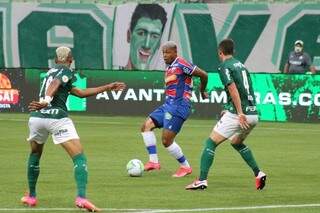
<point x="226" y="46"/>
<point x="152" y="11"/>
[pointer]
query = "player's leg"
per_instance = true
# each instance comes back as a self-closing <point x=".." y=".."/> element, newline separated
<point x="171" y="127"/>
<point x="237" y="142"/>
<point x="221" y="132"/>
<point x="74" y="148"/>
<point x="206" y="160"/>
<point x="33" y="171"/>
<point x="153" y="121"/>
<point x="37" y="137"/>
<point x="33" y="166"/>
<point x="65" y="134"/>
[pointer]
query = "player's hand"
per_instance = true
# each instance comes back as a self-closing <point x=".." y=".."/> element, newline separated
<point x="204" y="95"/>
<point x="36" y="105"/>
<point x="117" y="86"/>
<point x="243" y="121"/>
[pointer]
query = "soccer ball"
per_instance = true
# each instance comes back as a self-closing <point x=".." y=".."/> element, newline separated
<point x="135" y="168"/>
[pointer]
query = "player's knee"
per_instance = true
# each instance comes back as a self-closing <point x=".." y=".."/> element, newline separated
<point x="144" y="127"/>
<point x="36" y="148"/>
<point x="166" y="141"/>
<point x="147" y="126"/>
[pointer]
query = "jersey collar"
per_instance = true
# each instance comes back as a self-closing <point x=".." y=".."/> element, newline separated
<point x="173" y="61"/>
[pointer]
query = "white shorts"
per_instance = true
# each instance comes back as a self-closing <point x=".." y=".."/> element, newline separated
<point x="228" y="126"/>
<point x="62" y="130"/>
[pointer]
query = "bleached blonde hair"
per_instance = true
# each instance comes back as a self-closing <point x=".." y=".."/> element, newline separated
<point x="62" y="53"/>
<point x="170" y="45"/>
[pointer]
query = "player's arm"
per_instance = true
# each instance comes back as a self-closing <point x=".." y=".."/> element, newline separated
<point x="82" y="93"/>
<point x="234" y="94"/>
<point x="52" y="89"/>
<point x="203" y="79"/>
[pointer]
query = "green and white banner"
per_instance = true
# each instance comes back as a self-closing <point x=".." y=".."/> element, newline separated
<point x="279" y="97"/>
<point x="129" y="36"/>
<point x="31" y="33"/>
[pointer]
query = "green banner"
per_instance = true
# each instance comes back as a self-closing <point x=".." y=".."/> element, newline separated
<point x="279" y="97"/>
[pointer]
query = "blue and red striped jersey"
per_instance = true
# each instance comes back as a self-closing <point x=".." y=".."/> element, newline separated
<point x="178" y="80"/>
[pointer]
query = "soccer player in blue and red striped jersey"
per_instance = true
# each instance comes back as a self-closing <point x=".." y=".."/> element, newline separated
<point x="171" y="115"/>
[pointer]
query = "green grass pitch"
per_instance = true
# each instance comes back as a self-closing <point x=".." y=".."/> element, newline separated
<point x="287" y="152"/>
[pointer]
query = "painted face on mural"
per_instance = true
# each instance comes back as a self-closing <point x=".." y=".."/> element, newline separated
<point x="144" y="41"/>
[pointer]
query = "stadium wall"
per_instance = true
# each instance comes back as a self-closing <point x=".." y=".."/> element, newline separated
<point x="280" y="97"/>
<point x="97" y="33"/>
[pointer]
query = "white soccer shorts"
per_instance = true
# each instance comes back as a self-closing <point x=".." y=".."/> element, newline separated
<point x="62" y="130"/>
<point x="228" y="126"/>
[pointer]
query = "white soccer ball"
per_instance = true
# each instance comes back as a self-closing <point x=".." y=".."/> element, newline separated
<point x="135" y="168"/>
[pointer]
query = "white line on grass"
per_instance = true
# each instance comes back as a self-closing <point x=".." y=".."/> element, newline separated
<point x="171" y="210"/>
<point x="74" y="209"/>
<point x="232" y="208"/>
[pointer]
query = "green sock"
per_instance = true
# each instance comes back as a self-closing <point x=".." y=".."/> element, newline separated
<point x="247" y="156"/>
<point x="80" y="173"/>
<point x="207" y="158"/>
<point x="33" y="173"/>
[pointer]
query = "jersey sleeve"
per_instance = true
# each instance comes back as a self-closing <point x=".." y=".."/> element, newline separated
<point x="64" y="75"/>
<point x="225" y="75"/>
<point x="187" y="68"/>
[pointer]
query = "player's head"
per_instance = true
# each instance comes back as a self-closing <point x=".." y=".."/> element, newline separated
<point x="64" y="56"/>
<point x="226" y="48"/>
<point x="298" y="46"/>
<point x="144" y="35"/>
<point x="169" y="51"/>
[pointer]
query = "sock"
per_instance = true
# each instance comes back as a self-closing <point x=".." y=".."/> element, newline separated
<point x="207" y="158"/>
<point x="150" y="142"/>
<point x="80" y="173"/>
<point x="175" y="151"/>
<point x="33" y="173"/>
<point x="247" y="156"/>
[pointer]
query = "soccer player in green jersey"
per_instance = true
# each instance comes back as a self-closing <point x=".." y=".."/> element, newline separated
<point x="49" y="116"/>
<point x="239" y="117"/>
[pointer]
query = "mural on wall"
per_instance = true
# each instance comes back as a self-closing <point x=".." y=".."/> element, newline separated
<point x="129" y="37"/>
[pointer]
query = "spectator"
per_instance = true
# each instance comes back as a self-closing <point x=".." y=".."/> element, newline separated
<point x="299" y="61"/>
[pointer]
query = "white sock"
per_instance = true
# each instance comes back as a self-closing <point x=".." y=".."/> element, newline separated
<point x="175" y="150"/>
<point x="150" y="142"/>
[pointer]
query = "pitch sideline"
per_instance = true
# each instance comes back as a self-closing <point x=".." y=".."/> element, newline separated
<point x="218" y="209"/>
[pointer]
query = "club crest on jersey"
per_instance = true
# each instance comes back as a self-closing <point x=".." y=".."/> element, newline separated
<point x="167" y="116"/>
<point x="65" y="79"/>
<point x="185" y="69"/>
